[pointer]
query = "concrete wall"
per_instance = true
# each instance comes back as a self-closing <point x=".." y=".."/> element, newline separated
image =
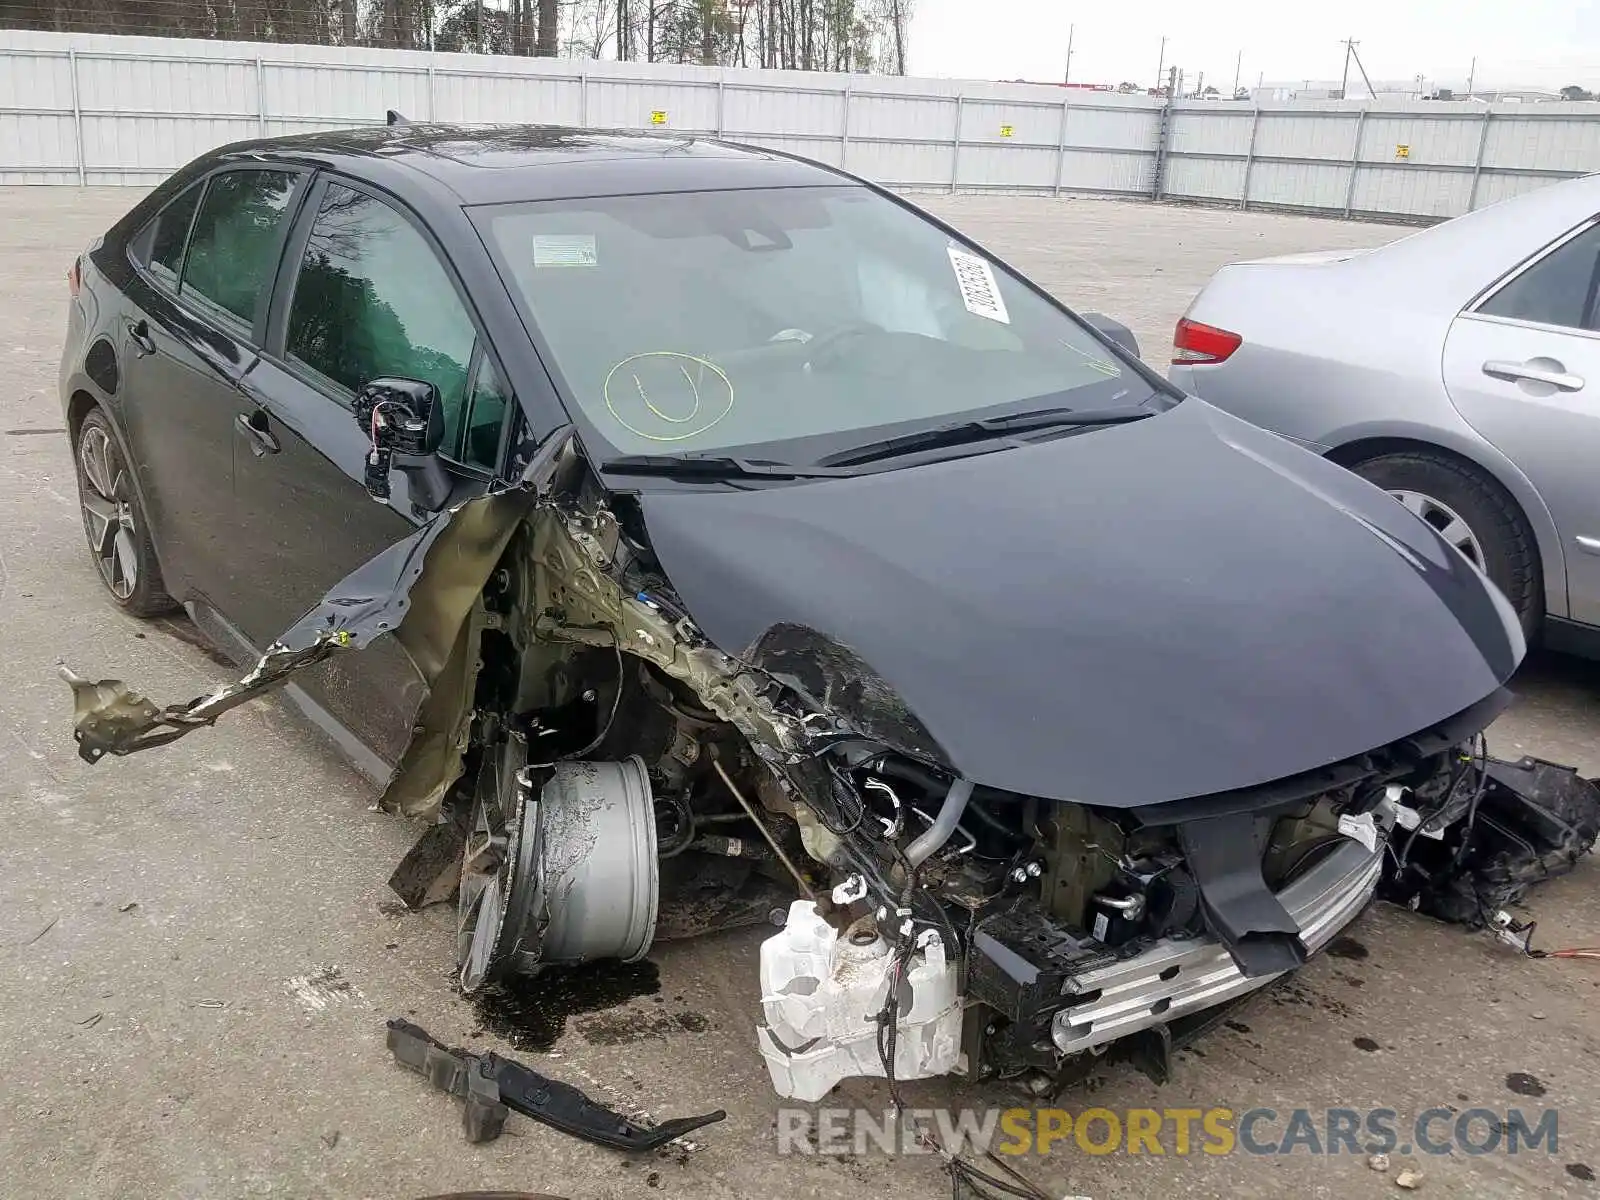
<point x="102" y="109"/>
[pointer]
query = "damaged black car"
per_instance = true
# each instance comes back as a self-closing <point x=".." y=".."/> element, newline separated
<point x="672" y="526"/>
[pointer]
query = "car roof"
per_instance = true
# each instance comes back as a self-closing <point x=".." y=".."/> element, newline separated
<point x="486" y="165"/>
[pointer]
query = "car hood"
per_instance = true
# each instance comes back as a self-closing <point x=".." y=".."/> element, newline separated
<point x="1173" y="608"/>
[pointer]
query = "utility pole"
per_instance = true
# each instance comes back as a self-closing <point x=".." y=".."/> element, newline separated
<point x="1238" y="63"/>
<point x="1472" y="73"/>
<point x="1360" y="66"/>
<point x="1066" y="76"/>
<point x="1161" y="63"/>
<point x="1350" y="45"/>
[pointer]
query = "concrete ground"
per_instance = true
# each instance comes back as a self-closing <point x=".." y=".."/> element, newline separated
<point x="200" y="952"/>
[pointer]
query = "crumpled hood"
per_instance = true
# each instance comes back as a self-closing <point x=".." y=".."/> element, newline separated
<point x="1143" y="613"/>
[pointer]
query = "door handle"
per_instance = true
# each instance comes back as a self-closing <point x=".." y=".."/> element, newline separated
<point x="1554" y="374"/>
<point x="139" y="335"/>
<point x="254" y="427"/>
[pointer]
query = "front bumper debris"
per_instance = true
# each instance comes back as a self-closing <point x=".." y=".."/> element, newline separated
<point x="1180" y="976"/>
<point x="491" y="1087"/>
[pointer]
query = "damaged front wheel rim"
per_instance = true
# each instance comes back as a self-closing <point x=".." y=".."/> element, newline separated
<point x="490" y="864"/>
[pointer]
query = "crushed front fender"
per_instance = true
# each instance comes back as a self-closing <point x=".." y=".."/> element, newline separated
<point x="420" y="589"/>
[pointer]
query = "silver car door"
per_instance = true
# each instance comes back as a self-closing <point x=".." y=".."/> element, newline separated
<point x="1522" y="366"/>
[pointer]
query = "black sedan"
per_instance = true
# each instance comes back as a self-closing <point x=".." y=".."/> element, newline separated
<point x="659" y="518"/>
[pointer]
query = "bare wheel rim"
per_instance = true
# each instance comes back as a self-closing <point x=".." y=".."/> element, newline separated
<point x="486" y="875"/>
<point x="106" y="493"/>
<point x="1446" y="521"/>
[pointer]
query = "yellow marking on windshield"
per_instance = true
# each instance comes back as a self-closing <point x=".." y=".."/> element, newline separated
<point x="697" y="406"/>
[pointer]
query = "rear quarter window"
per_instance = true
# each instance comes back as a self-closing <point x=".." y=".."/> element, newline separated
<point x="159" y="246"/>
<point x="233" y="249"/>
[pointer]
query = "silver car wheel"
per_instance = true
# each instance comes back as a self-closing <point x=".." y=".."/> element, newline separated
<point x="1446" y="520"/>
<point x="108" y="512"/>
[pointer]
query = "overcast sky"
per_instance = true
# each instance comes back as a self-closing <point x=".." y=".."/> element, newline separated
<point x="1536" y="43"/>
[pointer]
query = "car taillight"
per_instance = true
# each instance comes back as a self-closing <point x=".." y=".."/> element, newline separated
<point x="1193" y="342"/>
<point x="74" y="279"/>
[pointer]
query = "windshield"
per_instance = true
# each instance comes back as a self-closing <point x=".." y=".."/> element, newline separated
<point x="700" y="322"/>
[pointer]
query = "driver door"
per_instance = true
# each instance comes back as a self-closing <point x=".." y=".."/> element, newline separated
<point x="364" y="292"/>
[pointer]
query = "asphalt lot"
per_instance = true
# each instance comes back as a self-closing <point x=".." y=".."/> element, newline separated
<point x="200" y="950"/>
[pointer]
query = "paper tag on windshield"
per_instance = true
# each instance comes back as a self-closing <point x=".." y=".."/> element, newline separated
<point x="975" y="278"/>
<point x="564" y="250"/>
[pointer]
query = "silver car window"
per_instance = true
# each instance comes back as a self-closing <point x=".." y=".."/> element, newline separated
<point x="1559" y="288"/>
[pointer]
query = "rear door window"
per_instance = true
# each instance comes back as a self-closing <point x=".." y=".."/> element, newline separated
<point x="373" y="299"/>
<point x="1559" y="289"/>
<point x="238" y="235"/>
<point x="159" y="246"/>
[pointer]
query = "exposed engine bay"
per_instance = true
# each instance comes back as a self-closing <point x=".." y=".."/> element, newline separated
<point x="597" y="764"/>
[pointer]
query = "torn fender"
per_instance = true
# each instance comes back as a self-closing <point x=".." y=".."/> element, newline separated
<point x="421" y="589"/>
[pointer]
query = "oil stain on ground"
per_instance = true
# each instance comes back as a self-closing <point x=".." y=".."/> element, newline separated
<point x="1524" y="1084"/>
<point x="620" y="1029"/>
<point x="532" y="1014"/>
<point x="1347" y="947"/>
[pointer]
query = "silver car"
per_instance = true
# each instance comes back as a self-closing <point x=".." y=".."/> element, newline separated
<point x="1457" y="368"/>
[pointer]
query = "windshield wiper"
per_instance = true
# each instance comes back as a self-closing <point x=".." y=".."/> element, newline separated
<point x="711" y="467"/>
<point x="981" y="429"/>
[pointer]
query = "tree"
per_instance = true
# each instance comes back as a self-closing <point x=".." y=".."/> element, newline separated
<point x="805" y="35"/>
<point x="1573" y="92"/>
<point x="1128" y="89"/>
<point x="1241" y="93"/>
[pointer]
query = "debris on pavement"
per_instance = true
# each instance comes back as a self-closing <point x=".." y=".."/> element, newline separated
<point x="1520" y="823"/>
<point x="492" y="1086"/>
<point x="1378" y="1162"/>
<point x="1409" y="1178"/>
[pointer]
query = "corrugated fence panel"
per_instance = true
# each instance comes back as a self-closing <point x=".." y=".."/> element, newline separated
<point x="34" y="81"/>
<point x="1204" y="178"/>
<point x="986" y="120"/>
<point x="1301" y="135"/>
<point x="102" y="108"/>
<point x="497" y="99"/>
<point x="321" y="92"/>
<point x="1546" y="145"/>
<point x="763" y="111"/>
<point x="163" y="85"/>
<point x="1029" y="167"/>
<point x="902" y="165"/>
<point x="1453" y="142"/>
<point x="1494" y="188"/>
<point x="1113" y="128"/>
<point x="1088" y="171"/>
<point x="1410" y="192"/>
<point x="1299" y="185"/>
<point x="155" y="146"/>
<point x="39" y="143"/>
<point x="629" y="104"/>
<point x="901" y="118"/>
<point x="1226" y="131"/>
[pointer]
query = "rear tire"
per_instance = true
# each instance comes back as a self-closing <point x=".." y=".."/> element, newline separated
<point x="115" y="523"/>
<point x="1475" y="514"/>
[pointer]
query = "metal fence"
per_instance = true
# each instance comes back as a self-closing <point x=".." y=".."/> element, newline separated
<point x="91" y="109"/>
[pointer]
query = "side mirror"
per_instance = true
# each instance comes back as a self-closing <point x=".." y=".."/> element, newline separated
<point x="1115" y="330"/>
<point x="405" y="420"/>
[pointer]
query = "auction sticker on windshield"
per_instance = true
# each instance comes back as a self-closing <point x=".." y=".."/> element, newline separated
<point x="564" y="250"/>
<point x="979" y="293"/>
